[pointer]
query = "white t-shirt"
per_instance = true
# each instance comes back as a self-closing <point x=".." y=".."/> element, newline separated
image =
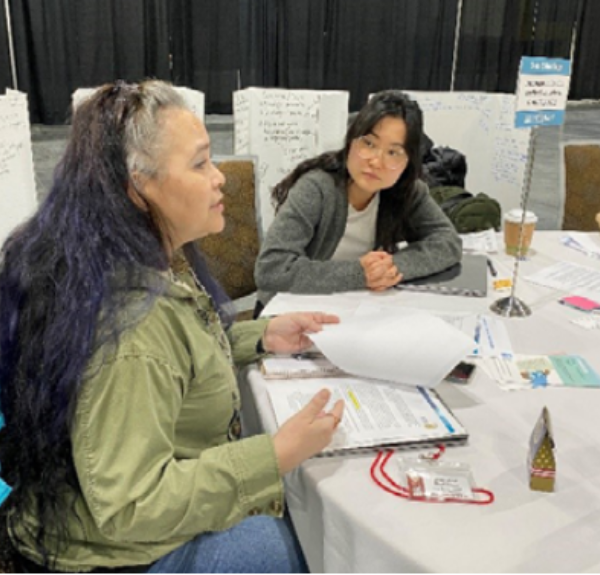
<point x="359" y="236"/>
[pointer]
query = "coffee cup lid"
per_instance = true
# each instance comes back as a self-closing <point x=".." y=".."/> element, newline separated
<point x="516" y="215"/>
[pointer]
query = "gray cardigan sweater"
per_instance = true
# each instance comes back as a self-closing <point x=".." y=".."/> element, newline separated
<point x="295" y="255"/>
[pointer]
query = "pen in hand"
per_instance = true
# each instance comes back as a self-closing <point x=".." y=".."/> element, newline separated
<point x="491" y="267"/>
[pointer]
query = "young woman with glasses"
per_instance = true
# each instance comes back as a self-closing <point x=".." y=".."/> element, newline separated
<point x="122" y="441"/>
<point x="340" y="216"/>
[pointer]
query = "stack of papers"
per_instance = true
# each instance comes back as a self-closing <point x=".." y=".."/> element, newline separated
<point x="390" y="358"/>
<point x="377" y="415"/>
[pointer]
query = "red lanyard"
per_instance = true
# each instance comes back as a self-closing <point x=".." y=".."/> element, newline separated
<point x="378" y="467"/>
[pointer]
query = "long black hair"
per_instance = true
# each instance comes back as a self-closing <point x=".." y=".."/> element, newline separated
<point x="59" y="301"/>
<point x="393" y="221"/>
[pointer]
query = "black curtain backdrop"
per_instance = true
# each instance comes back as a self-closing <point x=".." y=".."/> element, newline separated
<point x="356" y="45"/>
<point x="554" y="28"/>
<point x="302" y="32"/>
<point x="585" y="80"/>
<point x="63" y="45"/>
<point x="205" y="44"/>
<point x="258" y="43"/>
<point x="493" y="38"/>
<point x="496" y="33"/>
<point x="5" y="74"/>
<point x="44" y="61"/>
<point x="379" y="44"/>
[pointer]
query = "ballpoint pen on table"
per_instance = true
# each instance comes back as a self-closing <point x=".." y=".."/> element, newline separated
<point x="491" y="267"/>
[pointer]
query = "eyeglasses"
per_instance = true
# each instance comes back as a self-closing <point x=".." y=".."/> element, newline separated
<point x="392" y="158"/>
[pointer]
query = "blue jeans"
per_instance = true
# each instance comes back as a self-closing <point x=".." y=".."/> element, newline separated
<point x="258" y="544"/>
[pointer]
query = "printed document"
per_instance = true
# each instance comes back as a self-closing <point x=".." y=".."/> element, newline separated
<point x="568" y="276"/>
<point x="536" y="371"/>
<point x="375" y="413"/>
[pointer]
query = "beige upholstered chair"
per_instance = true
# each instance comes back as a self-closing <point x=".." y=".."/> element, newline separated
<point x="582" y="186"/>
<point x="232" y="253"/>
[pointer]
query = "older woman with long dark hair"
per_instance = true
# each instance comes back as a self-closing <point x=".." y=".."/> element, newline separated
<point x="117" y="352"/>
<point x="341" y="216"/>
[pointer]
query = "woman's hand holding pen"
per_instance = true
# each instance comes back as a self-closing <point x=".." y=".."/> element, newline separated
<point x="380" y="270"/>
<point x="308" y="432"/>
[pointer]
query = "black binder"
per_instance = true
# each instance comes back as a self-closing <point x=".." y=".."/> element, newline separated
<point x="467" y="278"/>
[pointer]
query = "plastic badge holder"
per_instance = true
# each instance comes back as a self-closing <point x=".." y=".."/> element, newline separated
<point x="428" y="479"/>
<point x="431" y="480"/>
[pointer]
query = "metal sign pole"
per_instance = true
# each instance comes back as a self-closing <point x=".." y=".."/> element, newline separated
<point x="542" y="91"/>
<point x="11" y="45"/>
<point x="511" y="306"/>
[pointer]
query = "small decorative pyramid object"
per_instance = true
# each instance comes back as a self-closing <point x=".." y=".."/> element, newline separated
<point x="542" y="462"/>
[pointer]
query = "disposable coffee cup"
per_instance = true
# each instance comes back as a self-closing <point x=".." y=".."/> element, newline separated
<point x="512" y="228"/>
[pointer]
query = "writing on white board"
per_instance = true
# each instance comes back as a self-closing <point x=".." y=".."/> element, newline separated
<point x="17" y="182"/>
<point x="481" y="126"/>
<point x="283" y="128"/>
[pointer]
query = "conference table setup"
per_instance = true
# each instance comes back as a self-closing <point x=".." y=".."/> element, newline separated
<point x="460" y="429"/>
<point x="346" y="522"/>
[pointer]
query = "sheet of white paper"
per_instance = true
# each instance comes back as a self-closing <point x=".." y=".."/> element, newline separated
<point x="464" y="321"/>
<point x="467" y="323"/>
<point x="492" y="338"/>
<point x="288" y="302"/>
<point x="567" y="276"/>
<point x="501" y="370"/>
<point x="485" y="242"/>
<point x="413" y="348"/>
<point x="583" y="242"/>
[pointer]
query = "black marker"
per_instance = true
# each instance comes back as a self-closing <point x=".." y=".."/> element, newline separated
<point x="491" y="266"/>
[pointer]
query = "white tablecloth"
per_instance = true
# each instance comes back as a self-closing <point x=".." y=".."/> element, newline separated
<point x="347" y="524"/>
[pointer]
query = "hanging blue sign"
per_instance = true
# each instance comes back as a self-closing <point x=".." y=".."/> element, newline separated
<point x="542" y="92"/>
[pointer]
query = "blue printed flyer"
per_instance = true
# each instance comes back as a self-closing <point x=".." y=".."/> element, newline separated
<point x="555" y="370"/>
